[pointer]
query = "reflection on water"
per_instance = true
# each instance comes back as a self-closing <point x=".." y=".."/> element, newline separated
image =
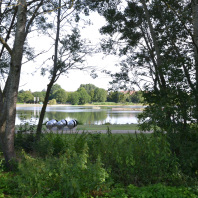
<point x="84" y="114"/>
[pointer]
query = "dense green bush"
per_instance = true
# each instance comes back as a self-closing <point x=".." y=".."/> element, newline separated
<point x="52" y="102"/>
<point x="142" y="160"/>
<point x="71" y="174"/>
<point x="90" y="164"/>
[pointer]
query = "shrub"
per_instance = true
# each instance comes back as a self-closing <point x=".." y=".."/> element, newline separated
<point x="52" y="102"/>
<point x="71" y="174"/>
<point x="141" y="161"/>
<point x="80" y="165"/>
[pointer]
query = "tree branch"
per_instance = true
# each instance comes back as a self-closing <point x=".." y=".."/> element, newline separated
<point x="9" y="30"/>
<point x="6" y="45"/>
<point x="33" y="17"/>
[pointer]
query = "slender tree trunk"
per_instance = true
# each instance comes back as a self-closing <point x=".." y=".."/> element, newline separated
<point x="54" y="74"/>
<point x="195" y="41"/>
<point x="8" y="102"/>
<point x="42" y="115"/>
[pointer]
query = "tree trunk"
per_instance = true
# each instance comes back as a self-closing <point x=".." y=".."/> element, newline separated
<point x="8" y="103"/>
<point x="54" y="74"/>
<point x="41" y="117"/>
<point x="195" y="42"/>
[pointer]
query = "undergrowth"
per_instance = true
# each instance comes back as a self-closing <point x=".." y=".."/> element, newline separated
<point x="95" y="165"/>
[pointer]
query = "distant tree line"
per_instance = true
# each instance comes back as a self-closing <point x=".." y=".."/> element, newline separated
<point x="86" y="93"/>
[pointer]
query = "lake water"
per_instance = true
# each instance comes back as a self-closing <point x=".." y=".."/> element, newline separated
<point x="84" y="114"/>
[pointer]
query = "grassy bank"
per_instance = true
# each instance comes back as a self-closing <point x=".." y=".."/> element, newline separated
<point x="95" y="165"/>
<point x="88" y="127"/>
<point x="110" y="126"/>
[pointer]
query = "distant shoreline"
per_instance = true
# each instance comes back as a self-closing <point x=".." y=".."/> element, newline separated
<point x="40" y="105"/>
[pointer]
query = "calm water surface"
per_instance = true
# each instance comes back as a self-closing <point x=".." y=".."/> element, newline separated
<point x="85" y="114"/>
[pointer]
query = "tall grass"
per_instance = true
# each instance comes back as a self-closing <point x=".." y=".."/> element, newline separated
<point x="90" y="165"/>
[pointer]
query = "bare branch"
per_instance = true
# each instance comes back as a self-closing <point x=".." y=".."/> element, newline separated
<point x="34" y="57"/>
<point x="6" y="45"/>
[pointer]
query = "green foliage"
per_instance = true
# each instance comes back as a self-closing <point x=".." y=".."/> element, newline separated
<point x="22" y="139"/>
<point x="60" y="95"/>
<point x="173" y="116"/>
<point x="74" y="98"/>
<point x="150" y="32"/>
<point x="54" y="88"/>
<point x="100" y="95"/>
<point x="136" y="97"/>
<point x="115" y="97"/>
<point x="8" y="187"/>
<point x="83" y="96"/>
<point x="52" y="102"/>
<point x="111" y="126"/>
<point x="93" y="94"/>
<point x="41" y="95"/>
<point x="152" y="191"/>
<point x="98" y="165"/>
<point x="25" y="96"/>
<point x="140" y="160"/>
<point x="159" y="190"/>
<point x="88" y="87"/>
<point x="70" y="174"/>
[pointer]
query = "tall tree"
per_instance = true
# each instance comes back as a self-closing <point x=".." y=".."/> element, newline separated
<point x="54" y="88"/>
<point x="157" y="42"/>
<point x="100" y="95"/>
<point x="150" y="39"/>
<point x="88" y="87"/>
<point x="8" y="96"/>
<point x="74" y="98"/>
<point x="69" y="49"/>
<point x="39" y="95"/>
<point x="16" y="19"/>
<point x="25" y="96"/>
<point x="61" y="96"/>
<point x="84" y="97"/>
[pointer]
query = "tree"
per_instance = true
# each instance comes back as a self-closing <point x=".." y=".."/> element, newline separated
<point x="157" y="41"/>
<point x="60" y="96"/>
<point x="100" y="95"/>
<point x="41" y="95"/>
<point x="84" y="97"/>
<point x="136" y="97"/>
<point x="88" y="87"/>
<point x="115" y="96"/>
<point x="74" y="98"/>
<point x="92" y="94"/>
<point x="54" y="88"/>
<point x="159" y="61"/>
<point x="52" y="102"/>
<point x="25" y="96"/>
<point x="70" y="54"/>
<point x="16" y="21"/>
<point x="96" y="94"/>
<point x="8" y="96"/>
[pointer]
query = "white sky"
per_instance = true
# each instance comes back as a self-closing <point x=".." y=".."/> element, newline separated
<point x="75" y="78"/>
